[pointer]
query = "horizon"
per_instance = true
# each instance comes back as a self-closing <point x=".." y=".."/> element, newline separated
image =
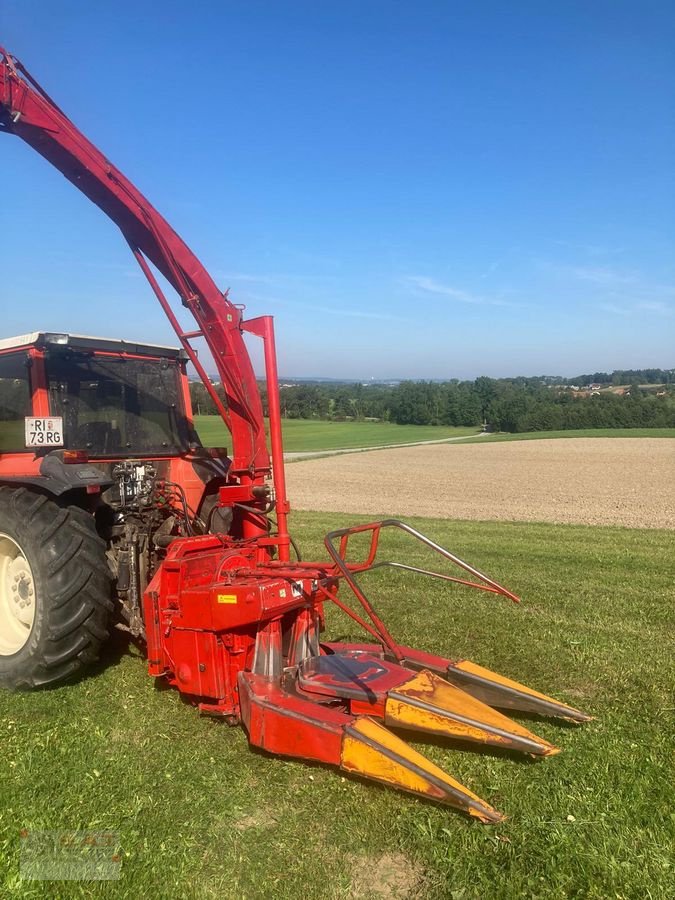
<point x="568" y="379"/>
<point x="444" y="191"/>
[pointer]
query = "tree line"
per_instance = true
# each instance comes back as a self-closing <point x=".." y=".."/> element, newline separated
<point x="627" y="376"/>
<point x="500" y="404"/>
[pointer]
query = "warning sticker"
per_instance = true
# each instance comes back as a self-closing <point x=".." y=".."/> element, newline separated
<point x="227" y="598"/>
<point x="46" y="431"/>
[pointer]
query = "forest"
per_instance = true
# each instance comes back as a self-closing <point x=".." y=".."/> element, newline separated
<point x="620" y="399"/>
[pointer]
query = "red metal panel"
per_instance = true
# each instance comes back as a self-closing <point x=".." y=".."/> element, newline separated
<point x="236" y="493"/>
<point x="199" y="667"/>
<point x="288" y="725"/>
<point x="364" y="677"/>
<point x="14" y="465"/>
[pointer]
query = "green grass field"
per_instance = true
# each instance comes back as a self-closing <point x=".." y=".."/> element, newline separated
<point x="312" y="434"/>
<point x="576" y="433"/>
<point x="316" y="434"/>
<point x="200" y="815"/>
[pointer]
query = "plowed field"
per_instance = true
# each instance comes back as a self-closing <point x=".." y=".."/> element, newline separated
<point x="593" y="481"/>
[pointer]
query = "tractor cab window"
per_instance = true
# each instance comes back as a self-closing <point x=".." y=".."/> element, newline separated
<point x="116" y="405"/>
<point x="15" y="400"/>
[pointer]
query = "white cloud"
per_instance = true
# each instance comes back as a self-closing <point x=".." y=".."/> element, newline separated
<point x="614" y="309"/>
<point x="424" y="283"/>
<point x="600" y="275"/>
<point x="608" y="276"/>
<point x="340" y="311"/>
<point x="592" y="249"/>
<point x="655" y="306"/>
<point x="431" y="286"/>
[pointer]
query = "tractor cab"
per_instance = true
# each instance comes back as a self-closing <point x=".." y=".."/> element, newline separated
<point x="107" y="399"/>
<point x="91" y="416"/>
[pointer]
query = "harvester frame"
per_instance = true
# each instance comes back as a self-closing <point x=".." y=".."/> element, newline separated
<point x="227" y="616"/>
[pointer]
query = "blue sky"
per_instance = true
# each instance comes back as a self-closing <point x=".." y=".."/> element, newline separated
<point x="413" y="189"/>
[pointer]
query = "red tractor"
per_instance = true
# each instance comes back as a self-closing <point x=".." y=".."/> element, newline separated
<point x="112" y="512"/>
<point x="100" y="470"/>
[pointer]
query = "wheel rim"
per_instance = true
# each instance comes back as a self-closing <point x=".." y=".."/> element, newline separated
<point x="17" y="597"/>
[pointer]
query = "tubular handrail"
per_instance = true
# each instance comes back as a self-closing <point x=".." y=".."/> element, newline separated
<point x="348" y="570"/>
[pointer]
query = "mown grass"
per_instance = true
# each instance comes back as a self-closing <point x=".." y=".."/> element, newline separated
<point x="316" y="434"/>
<point x="200" y="815"/>
<point x="572" y="433"/>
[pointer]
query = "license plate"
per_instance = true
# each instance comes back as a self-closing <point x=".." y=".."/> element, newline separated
<point x="44" y="431"/>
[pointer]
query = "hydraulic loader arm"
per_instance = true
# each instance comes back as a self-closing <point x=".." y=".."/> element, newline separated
<point x="28" y="112"/>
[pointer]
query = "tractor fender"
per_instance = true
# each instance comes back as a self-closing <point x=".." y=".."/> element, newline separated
<point x="57" y="477"/>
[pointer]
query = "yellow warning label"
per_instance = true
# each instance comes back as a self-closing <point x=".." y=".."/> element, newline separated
<point x="227" y="598"/>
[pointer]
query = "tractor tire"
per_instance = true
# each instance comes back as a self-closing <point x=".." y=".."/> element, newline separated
<point x="55" y="596"/>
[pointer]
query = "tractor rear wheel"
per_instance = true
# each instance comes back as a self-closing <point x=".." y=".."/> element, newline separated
<point x="55" y="601"/>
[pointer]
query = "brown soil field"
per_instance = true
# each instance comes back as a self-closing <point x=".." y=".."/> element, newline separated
<point x="590" y="481"/>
